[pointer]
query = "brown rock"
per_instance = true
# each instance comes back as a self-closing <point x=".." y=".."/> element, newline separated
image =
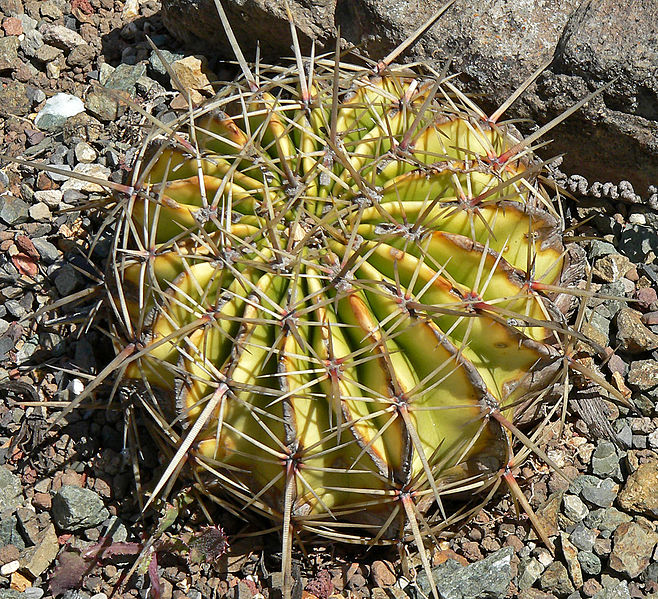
<point x="81" y="55"/>
<point x="193" y="72"/>
<point x="42" y="501"/>
<point x="9" y="553"/>
<point x="443" y="555"/>
<point x="14" y="98"/>
<point x="633" y="337"/>
<point x="383" y="573"/>
<point x="633" y="544"/>
<point x="37" y="560"/>
<point x="570" y="553"/>
<point x="646" y="296"/>
<point x="643" y="374"/>
<point x="640" y="491"/>
<point x="590" y="587"/>
<point x="8" y="54"/>
<point x="611" y="268"/>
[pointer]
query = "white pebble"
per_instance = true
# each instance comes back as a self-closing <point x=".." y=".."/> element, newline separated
<point x="574" y="508"/>
<point x="50" y="197"/>
<point x="64" y="105"/>
<point x="637" y="219"/>
<point x="10" y="568"/>
<point x="653" y="440"/>
<point x="84" y="152"/>
<point x="40" y="211"/>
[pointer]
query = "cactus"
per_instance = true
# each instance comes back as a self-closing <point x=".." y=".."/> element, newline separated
<point x="333" y="290"/>
<point x="336" y="286"/>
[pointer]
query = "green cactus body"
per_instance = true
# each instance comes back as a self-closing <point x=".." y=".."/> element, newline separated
<point x="339" y="289"/>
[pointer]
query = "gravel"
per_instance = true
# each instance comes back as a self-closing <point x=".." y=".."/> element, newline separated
<point x="75" y="507"/>
<point x="78" y="487"/>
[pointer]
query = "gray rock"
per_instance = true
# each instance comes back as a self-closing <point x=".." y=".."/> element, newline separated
<point x="11" y="490"/>
<point x="9" y="533"/>
<point x="13" y="211"/>
<point x="48" y="252"/>
<point x="582" y="537"/>
<point x="600" y="248"/>
<point x="66" y="279"/>
<point x="590" y="563"/>
<point x="125" y="76"/>
<point x="601" y="493"/>
<point x="496" y="45"/>
<point x="606" y="519"/>
<point x="33" y="593"/>
<point x="605" y="461"/>
<point x="530" y="570"/>
<point x="74" y="508"/>
<point x="486" y="579"/>
<point x="10" y="594"/>
<point x="31" y="43"/>
<point x="156" y="65"/>
<point x="612" y="306"/>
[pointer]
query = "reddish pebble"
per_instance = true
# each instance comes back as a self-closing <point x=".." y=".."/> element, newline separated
<point x="646" y="296"/>
<point x="44" y="182"/>
<point x="617" y="364"/>
<point x="632" y="275"/>
<point x="42" y="501"/>
<point x="650" y="318"/>
<point x="26" y="245"/>
<point x="25" y="264"/>
<point x="12" y="26"/>
<point x="84" y="6"/>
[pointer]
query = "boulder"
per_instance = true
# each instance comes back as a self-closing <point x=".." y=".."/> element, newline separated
<point x="495" y="45"/>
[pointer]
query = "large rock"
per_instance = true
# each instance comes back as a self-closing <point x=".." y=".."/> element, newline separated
<point x="495" y="44"/>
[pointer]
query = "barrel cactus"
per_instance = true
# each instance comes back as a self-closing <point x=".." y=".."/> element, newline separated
<point x="332" y="289"/>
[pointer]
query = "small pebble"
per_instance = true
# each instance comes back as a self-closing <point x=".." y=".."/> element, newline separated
<point x="583" y="538"/>
<point x="574" y="508"/>
<point x="10" y="568"/>
<point x="61" y="106"/>
<point x="590" y="563"/>
<point x="40" y="211"/>
<point x="85" y="153"/>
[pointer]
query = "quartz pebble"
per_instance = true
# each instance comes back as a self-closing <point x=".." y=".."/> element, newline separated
<point x="60" y="107"/>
